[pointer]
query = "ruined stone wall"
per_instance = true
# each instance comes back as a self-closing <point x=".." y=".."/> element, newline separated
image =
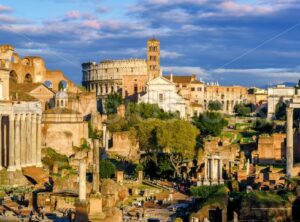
<point x="124" y="145"/>
<point x="132" y="85"/>
<point x="272" y="148"/>
<point x="63" y="131"/>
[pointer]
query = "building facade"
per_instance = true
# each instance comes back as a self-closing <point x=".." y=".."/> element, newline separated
<point x="163" y="92"/>
<point x="20" y="122"/>
<point x="128" y="77"/>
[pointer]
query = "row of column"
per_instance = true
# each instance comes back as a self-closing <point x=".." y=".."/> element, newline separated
<point x="103" y="89"/>
<point x="213" y="168"/>
<point x="24" y="145"/>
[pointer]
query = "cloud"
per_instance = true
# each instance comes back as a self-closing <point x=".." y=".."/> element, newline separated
<point x="185" y="70"/>
<point x="73" y="15"/>
<point x="103" y="9"/>
<point x="5" y="9"/>
<point x="169" y="54"/>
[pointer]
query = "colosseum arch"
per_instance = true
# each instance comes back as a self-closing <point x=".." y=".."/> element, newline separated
<point x="13" y="77"/>
<point x="28" y="78"/>
<point x="63" y="85"/>
<point x="48" y="83"/>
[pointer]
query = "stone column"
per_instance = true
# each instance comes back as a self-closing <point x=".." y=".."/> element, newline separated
<point x="289" y="142"/>
<point x="213" y="168"/>
<point x="104" y="135"/>
<point x="5" y="149"/>
<point x="1" y="157"/>
<point x="33" y="139"/>
<point x="206" y="169"/>
<point x="220" y="169"/>
<point x="28" y="140"/>
<point x="23" y="140"/>
<point x="11" y="160"/>
<point x="96" y="169"/>
<point x="82" y="181"/>
<point x="39" y="141"/>
<point x="17" y="142"/>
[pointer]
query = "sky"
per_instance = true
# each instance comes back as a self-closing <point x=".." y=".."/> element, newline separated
<point x="233" y="42"/>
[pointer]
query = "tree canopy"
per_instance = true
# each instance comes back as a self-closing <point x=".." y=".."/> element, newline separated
<point x="280" y="110"/>
<point x="210" y="123"/>
<point x="242" y="110"/>
<point x="215" y="105"/>
<point x="112" y="102"/>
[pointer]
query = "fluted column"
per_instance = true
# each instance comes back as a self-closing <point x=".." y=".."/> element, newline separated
<point x="82" y="181"/>
<point x="28" y="140"/>
<point x="17" y="142"/>
<point x="38" y="142"/>
<point x="1" y="148"/>
<point x="11" y="160"/>
<point x="23" y="140"/>
<point x="290" y="142"/>
<point x="33" y="139"/>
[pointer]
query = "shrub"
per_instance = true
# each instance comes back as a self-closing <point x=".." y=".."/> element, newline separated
<point x="107" y="169"/>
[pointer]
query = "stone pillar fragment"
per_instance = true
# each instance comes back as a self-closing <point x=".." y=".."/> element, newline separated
<point x="96" y="165"/>
<point x="290" y="142"/>
<point x="82" y="181"/>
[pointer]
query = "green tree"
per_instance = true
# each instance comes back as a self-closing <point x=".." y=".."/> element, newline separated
<point x="210" y="123"/>
<point x="263" y="126"/>
<point x="280" y="110"/>
<point x="107" y="169"/>
<point x="179" y="145"/>
<point x="215" y="105"/>
<point x="242" y="110"/>
<point x="112" y="102"/>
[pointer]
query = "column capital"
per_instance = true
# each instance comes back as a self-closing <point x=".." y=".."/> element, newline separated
<point x="17" y="117"/>
<point x="289" y="110"/>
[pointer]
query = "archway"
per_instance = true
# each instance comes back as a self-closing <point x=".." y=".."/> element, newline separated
<point x="62" y="85"/>
<point x="13" y="78"/>
<point x="28" y="78"/>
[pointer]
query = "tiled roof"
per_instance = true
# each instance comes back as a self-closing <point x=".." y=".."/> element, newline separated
<point x="20" y="92"/>
<point x="180" y="79"/>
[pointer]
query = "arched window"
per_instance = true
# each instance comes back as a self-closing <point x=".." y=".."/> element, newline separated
<point x="28" y="78"/>
<point x="62" y="85"/>
<point x="13" y="78"/>
<point x="48" y="84"/>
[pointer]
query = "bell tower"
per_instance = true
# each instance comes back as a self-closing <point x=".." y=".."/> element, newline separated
<point x="153" y="58"/>
<point x="6" y="53"/>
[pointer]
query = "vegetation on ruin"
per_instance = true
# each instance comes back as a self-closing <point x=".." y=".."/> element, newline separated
<point x="215" y="105"/>
<point x="210" y="123"/>
<point x="84" y="147"/>
<point x="51" y="156"/>
<point x="107" y="169"/>
<point x="112" y="102"/>
<point x="263" y="126"/>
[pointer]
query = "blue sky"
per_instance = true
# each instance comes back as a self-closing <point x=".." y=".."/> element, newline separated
<point x="234" y="42"/>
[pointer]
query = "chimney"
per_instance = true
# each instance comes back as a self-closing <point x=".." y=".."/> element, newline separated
<point x="171" y="77"/>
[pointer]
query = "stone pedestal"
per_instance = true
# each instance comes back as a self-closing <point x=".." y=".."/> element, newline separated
<point x="140" y="176"/>
<point x="95" y="206"/>
<point x="120" y="176"/>
<point x="81" y="212"/>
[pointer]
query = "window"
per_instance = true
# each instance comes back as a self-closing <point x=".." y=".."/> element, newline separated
<point x="105" y="70"/>
<point x="135" y="88"/>
<point x="199" y="89"/>
<point x="161" y="97"/>
<point x="192" y="89"/>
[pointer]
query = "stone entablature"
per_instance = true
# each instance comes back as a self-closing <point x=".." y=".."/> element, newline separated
<point x="62" y="118"/>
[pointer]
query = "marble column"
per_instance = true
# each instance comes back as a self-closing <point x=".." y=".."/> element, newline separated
<point x="17" y="142"/>
<point x="290" y="142"/>
<point x="23" y="140"/>
<point x="5" y="149"/>
<point x="33" y="139"/>
<point x="28" y="140"/>
<point x="11" y="160"/>
<point x="104" y="135"/>
<point x="1" y="148"/>
<point x="96" y="166"/>
<point x="82" y="181"/>
<point x="39" y="142"/>
<point x="220" y="169"/>
<point x="206" y="169"/>
<point x="213" y="168"/>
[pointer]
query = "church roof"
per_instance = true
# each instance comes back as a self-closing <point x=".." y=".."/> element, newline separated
<point x="61" y="95"/>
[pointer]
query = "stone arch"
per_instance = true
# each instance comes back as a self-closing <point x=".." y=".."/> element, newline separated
<point x="227" y="105"/>
<point x="25" y="62"/>
<point x="13" y="77"/>
<point x="48" y="84"/>
<point x="28" y="78"/>
<point x="63" y="85"/>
